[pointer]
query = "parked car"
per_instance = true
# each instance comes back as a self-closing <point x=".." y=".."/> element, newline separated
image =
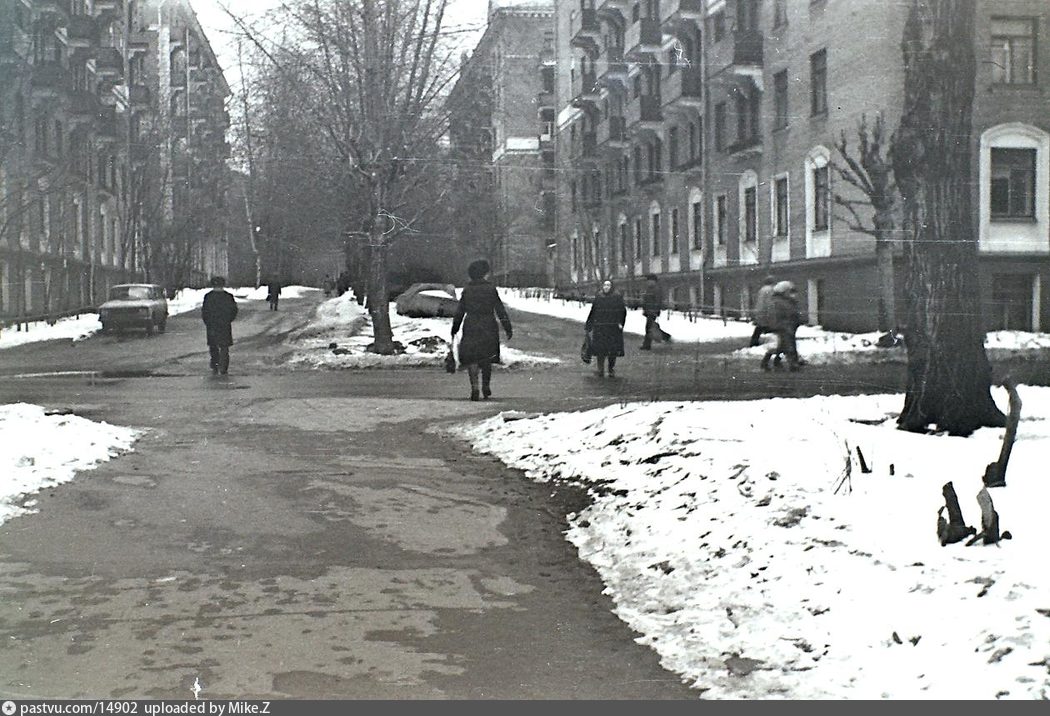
<point x="135" y="305"/>
<point x="428" y="300"/>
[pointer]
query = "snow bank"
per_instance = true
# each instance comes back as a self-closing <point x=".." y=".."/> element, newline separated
<point x="342" y="323"/>
<point x="74" y="328"/>
<point x="40" y="451"/>
<point x="744" y="543"/>
<point x="259" y="294"/>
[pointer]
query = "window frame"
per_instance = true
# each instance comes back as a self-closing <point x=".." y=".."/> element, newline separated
<point x="1030" y="191"/>
<point x="1009" y="70"/>
<point x="818" y="83"/>
<point x="781" y="100"/>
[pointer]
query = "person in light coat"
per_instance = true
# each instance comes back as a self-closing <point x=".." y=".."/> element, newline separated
<point x="763" y="313"/>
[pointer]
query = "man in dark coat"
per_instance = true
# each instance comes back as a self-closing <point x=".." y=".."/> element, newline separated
<point x="605" y="327"/>
<point x="479" y="307"/>
<point x="218" y="312"/>
<point x="273" y="293"/>
<point x="652" y="305"/>
<point x="786" y="320"/>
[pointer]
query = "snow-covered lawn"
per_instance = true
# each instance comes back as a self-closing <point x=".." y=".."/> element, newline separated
<point x="38" y="451"/>
<point x="682" y="327"/>
<point x="744" y="543"/>
<point x="815" y="344"/>
<point x="341" y="331"/>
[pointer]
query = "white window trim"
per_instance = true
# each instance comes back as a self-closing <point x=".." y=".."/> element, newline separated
<point x="746" y="255"/>
<point x="673" y="259"/>
<point x="818" y="243"/>
<point x="1030" y="237"/>
<point x="655" y="260"/>
<point x="621" y="225"/>
<point x="719" y="251"/>
<point x="696" y="256"/>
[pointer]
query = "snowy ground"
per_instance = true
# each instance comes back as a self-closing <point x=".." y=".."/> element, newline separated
<point x="77" y="328"/>
<point x="40" y="451"/>
<point x="815" y="344"/>
<point x="341" y="331"/>
<point x="744" y="543"/>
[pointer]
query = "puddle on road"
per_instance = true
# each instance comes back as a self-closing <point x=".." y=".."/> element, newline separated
<point x="95" y="374"/>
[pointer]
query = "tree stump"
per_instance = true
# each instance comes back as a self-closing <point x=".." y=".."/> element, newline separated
<point x="995" y="472"/>
<point x="954" y="529"/>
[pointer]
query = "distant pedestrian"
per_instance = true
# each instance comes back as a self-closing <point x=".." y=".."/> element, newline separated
<point x="786" y="320"/>
<point x="763" y="313"/>
<point x="604" y="327"/>
<point x="652" y="306"/>
<point x="328" y="286"/>
<point x="479" y="307"/>
<point x="273" y="293"/>
<point x="218" y="313"/>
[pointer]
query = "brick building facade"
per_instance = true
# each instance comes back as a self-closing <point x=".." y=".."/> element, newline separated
<point x="112" y="129"/>
<point x="695" y="136"/>
<point x="501" y="132"/>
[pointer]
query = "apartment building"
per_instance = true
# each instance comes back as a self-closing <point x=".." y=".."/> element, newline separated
<point x="697" y="138"/>
<point x="502" y="118"/>
<point x="112" y="146"/>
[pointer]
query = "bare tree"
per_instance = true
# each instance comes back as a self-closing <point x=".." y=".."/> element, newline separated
<point x="870" y="172"/>
<point x="949" y="376"/>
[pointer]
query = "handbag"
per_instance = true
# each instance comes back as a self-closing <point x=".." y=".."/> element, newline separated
<point x="450" y="362"/>
<point x="585" y="349"/>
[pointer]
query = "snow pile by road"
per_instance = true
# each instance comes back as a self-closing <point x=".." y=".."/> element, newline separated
<point x="259" y="294"/>
<point x="746" y="545"/>
<point x="38" y="451"/>
<point x="683" y="327"/>
<point x="341" y="331"/>
<point x="74" y="328"/>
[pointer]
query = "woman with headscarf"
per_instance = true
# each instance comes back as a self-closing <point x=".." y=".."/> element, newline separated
<point x="479" y="307"/>
<point x="604" y="326"/>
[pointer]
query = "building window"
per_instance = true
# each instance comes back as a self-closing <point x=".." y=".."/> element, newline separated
<point x="818" y="82"/>
<point x="780" y="13"/>
<point x="638" y="175"/>
<point x="1013" y="183"/>
<point x="656" y="233"/>
<point x="637" y="238"/>
<point x="1013" y="50"/>
<point x="1012" y="303"/>
<point x="572" y="199"/>
<point x="747" y="15"/>
<point x="698" y="216"/>
<point x="821" y="198"/>
<point x="751" y="214"/>
<point x="674" y="232"/>
<point x="672" y="148"/>
<point x="721" y="213"/>
<point x="780" y="207"/>
<point x="548" y="79"/>
<point x="780" y="99"/>
<point x="720" y="126"/>
<point x="636" y="86"/>
<point x="747" y="109"/>
<point x="625" y="245"/>
<point x="718" y="25"/>
<point x="693" y="141"/>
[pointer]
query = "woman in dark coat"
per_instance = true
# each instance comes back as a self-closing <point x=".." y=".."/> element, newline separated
<point x="479" y="306"/>
<point x="605" y="327"/>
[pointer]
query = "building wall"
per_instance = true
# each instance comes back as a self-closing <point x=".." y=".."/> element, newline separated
<point x="833" y="269"/>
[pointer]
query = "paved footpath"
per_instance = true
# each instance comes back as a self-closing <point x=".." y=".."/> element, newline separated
<point x="287" y="534"/>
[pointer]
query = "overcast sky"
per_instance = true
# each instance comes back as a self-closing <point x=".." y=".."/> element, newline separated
<point x="221" y="30"/>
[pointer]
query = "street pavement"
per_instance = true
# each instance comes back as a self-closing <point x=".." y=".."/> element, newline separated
<point x="286" y="533"/>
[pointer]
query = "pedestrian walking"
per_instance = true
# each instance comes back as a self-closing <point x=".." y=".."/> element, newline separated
<point x="328" y="286"/>
<point x="218" y="313"/>
<point x="786" y="320"/>
<point x="652" y="306"/>
<point x="763" y="313"/>
<point x="273" y="293"/>
<point x="604" y="327"/>
<point x="479" y="308"/>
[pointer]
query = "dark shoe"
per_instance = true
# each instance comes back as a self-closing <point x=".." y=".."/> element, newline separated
<point x="474" y="395"/>
<point x="486" y="392"/>
<point x="612" y="373"/>
<point x="214" y="370"/>
<point x="645" y="348"/>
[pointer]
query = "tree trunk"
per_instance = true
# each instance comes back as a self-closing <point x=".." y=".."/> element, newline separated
<point x="378" y="303"/>
<point x="884" y="273"/>
<point x="949" y="377"/>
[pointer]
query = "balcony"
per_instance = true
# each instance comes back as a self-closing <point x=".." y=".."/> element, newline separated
<point x="612" y="133"/>
<point x="644" y="38"/>
<point x="645" y="114"/>
<point x="586" y="33"/>
<point x="612" y="68"/>
<point x="108" y="5"/>
<point x="56" y="8"/>
<point x="746" y="147"/>
<point x="614" y="10"/>
<point x="109" y="62"/>
<point x="50" y="79"/>
<point x="676" y="12"/>
<point x="81" y="31"/>
<point x="684" y="88"/>
<point x="586" y="94"/>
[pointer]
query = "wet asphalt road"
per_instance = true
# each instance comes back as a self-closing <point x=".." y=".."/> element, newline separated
<point x="308" y="534"/>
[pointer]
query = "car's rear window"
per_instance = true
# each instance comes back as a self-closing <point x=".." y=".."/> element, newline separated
<point x="120" y="293"/>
